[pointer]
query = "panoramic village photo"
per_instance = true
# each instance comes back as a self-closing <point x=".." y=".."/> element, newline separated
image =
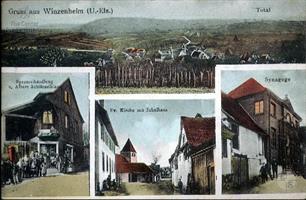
<point x="153" y="46"/>
<point x="263" y="131"/>
<point x="44" y="134"/>
<point x="154" y="147"/>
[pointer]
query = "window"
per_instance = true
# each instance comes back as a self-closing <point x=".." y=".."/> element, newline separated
<point x="66" y="97"/>
<point x="101" y="130"/>
<point x="103" y="162"/>
<point x="288" y="118"/>
<point x="175" y="163"/>
<point x="273" y="135"/>
<point x="259" y="107"/>
<point x="106" y="163"/>
<point x="224" y="148"/>
<point x="113" y="166"/>
<point x="66" y="121"/>
<point x="235" y="130"/>
<point x="110" y="164"/>
<point x="296" y="124"/>
<point x="272" y="109"/>
<point x="47" y="117"/>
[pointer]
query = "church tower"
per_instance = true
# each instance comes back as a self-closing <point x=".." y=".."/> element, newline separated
<point x="129" y="152"/>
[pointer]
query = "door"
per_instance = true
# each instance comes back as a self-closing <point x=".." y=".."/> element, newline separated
<point x="49" y="152"/>
<point x="48" y="149"/>
<point x="211" y="179"/>
<point x="240" y="169"/>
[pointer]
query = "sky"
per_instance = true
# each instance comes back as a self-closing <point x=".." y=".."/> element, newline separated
<point x="12" y="97"/>
<point x="172" y="9"/>
<point x="153" y="133"/>
<point x="295" y="89"/>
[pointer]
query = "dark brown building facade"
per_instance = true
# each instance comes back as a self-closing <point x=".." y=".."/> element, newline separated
<point x="50" y="124"/>
<point x="275" y="116"/>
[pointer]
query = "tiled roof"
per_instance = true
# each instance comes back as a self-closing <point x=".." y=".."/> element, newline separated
<point x="231" y="106"/>
<point x="128" y="147"/>
<point x="198" y="130"/>
<point x="251" y="86"/>
<point x="123" y="166"/>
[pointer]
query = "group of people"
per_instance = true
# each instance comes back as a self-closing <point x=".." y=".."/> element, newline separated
<point x="29" y="166"/>
<point x="265" y="171"/>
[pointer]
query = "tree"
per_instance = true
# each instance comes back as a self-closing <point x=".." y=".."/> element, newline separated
<point x="53" y="56"/>
<point x="156" y="157"/>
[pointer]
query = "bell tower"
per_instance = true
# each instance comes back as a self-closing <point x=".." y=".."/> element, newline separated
<point x="129" y="152"/>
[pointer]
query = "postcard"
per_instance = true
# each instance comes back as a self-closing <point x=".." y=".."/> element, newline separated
<point x="153" y="99"/>
<point x="45" y="133"/>
<point x="263" y="130"/>
<point x="154" y="147"/>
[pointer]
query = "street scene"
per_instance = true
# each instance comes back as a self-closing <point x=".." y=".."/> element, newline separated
<point x="54" y="184"/>
<point x="44" y="136"/>
<point x="263" y="132"/>
<point x="159" y="147"/>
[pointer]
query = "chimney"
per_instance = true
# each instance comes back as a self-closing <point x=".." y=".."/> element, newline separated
<point x="101" y="102"/>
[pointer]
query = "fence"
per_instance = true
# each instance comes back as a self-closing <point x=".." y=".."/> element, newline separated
<point x="157" y="75"/>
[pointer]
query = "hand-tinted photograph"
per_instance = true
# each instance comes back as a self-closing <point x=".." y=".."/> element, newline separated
<point x="45" y="134"/>
<point x="263" y="131"/>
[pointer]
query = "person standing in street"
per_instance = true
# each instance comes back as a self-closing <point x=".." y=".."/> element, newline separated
<point x="268" y="170"/>
<point x="263" y="173"/>
<point x="274" y="168"/>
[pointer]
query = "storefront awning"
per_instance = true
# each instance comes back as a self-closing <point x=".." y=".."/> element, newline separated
<point x="48" y="134"/>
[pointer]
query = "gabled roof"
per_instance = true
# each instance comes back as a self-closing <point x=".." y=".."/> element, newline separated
<point x="103" y="116"/>
<point x="233" y="108"/>
<point x="123" y="166"/>
<point x="287" y="102"/>
<point x="69" y="82"/>
<point x="29" y="108"/>
<point x="251" y="86"/>
<point x="198" y="130"/>
<point x="128" y="147"/>
<point x="41" y="96"/>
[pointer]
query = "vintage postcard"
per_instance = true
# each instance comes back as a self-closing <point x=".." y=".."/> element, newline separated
<point x="154" y="147"/>
<point x="44" y="133"/>
<point x="152" y="46"/>
<point x="263" y="129"/>
<point x="153" y="99"/>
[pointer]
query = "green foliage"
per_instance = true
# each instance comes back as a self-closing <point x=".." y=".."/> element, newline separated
<point x="29" y="57"/>
<point x="294" y="51"/>
<point x="53" y="56"/>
